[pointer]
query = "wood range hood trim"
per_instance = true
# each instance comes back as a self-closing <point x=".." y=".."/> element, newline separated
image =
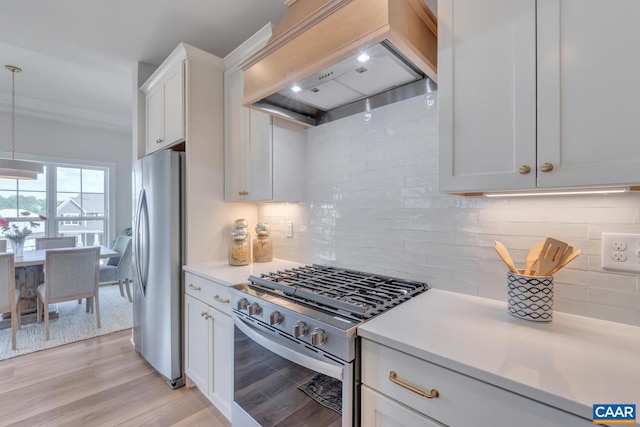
<point x="316" y="34"/>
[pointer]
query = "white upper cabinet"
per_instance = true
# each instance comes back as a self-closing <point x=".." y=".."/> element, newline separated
<point x="588" y="92"/>
<point x="165" y="109"/>
<point x="264" y="157"/>
<point x="536" y="95"/>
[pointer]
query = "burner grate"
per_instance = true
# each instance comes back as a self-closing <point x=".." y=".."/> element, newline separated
<point x="362" y="295"/>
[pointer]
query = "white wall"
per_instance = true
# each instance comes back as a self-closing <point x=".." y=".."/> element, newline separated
<point x="47" y="138"/>
<point x="374" y="205"/>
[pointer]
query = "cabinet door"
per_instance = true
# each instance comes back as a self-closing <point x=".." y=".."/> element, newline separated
<point x="588" y="91"/>
<point x="197" y="336"/>
<point x="174" y="105"/>
<point x="289" y="166"/>
<point x="154" y="111"/>
<point x="380" y="411"/>
<point x="486" y="94"/>
<point x="236" y="132"/>
<point x="260" y="172"/>
<point x="221" y="382"/>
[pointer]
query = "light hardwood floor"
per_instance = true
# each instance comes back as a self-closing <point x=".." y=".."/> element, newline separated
<point x="97" y="382"/>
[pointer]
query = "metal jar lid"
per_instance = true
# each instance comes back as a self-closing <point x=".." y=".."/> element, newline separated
<point x="240" y="223"/>
<point x="262" y="229"/>
<point x="240" y="233"/>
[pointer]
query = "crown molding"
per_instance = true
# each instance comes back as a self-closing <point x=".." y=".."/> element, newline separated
<point x="64" y="113"/>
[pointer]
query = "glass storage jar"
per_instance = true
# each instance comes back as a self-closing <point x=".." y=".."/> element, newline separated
<point x="262" y="245"/>
<point x="240" y="248"/>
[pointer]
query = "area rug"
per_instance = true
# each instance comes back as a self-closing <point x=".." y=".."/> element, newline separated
<point x="73" y="324"/>
<point x="325" y="390"/>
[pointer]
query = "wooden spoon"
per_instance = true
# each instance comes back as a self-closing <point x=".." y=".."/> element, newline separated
<point x="532" y="257"/>
<point x="551" y="256"/>
<point x="504" y="254"/>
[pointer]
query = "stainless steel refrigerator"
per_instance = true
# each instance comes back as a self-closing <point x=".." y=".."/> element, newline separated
<point x="157" y="260"/>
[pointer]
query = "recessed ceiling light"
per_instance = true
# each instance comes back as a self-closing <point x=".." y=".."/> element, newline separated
<point x="363" y="57"/>
<point x="296" y="88"/>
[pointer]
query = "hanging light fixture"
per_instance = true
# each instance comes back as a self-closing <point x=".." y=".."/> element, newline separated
<point x="12" y="168"/>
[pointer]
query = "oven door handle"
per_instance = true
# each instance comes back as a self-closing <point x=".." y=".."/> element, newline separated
<point x="289" y="353"/>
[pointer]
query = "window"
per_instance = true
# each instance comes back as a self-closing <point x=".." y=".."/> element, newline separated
<point x="22" y="203"/>
<point x="73" y="197"/>
<point x="81" y="195"/>
<point x="70" y="221"/>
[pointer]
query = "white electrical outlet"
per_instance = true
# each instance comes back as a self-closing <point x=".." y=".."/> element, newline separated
<point x="289" y="229"/>
<point x="621" y="252"/>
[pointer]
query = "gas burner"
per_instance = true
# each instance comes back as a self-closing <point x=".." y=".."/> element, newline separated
<point x="352" y="293"/>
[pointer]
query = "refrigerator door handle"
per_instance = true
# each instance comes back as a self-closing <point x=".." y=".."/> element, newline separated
<point x="138" y="240"/>
<point x="147" y="248"/>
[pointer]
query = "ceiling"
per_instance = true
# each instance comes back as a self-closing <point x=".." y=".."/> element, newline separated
<point x="78" y="56"/>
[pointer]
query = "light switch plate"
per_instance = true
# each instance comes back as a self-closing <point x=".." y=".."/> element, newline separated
<point x="289" y="229"/>
<point x="621" y="252"/>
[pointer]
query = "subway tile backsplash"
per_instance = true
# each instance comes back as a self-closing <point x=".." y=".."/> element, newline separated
<point x="373" y="204"/>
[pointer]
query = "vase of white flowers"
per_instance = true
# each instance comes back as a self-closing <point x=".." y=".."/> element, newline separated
<point x="16" y="234"/>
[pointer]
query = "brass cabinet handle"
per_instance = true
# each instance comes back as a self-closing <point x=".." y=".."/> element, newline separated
<point x="159" y="141"/>
<point x="243" y="193"/>
<point x="524" y="169"/>
<point x="393" y="377"/>
<point x="546" y="167"/>
<point x="205" y="315"/>
<point x="195" y="288"/>
<point x="217" y="298"/>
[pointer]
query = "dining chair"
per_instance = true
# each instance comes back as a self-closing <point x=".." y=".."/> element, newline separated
<point x="117" y="269"/>
<point x="69" y="274"/>
<point x="3" y="245"/>
<point x="55" y="242"/>
<point x="9" y="295"/>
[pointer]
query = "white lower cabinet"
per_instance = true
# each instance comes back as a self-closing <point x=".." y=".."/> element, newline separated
<point x="462" y="401"/>
<point x="208" y="341"/>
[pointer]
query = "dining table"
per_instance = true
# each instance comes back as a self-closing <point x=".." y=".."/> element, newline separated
<point x="30" y="274"/>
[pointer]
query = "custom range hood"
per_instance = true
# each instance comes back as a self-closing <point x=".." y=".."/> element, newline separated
<point x="328" y="59"/>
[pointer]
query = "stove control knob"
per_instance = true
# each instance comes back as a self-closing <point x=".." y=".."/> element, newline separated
<point x="275" y="318"/>
<point x="318" y="336"/>
<point x="242" y="304"/>
<point x="254" y="309"/>
<point x="299" y="329"/>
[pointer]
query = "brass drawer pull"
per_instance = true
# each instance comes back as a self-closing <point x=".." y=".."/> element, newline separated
<point x="195" y="288"/>
<point x="393" y="377"/>
<point x="243" y="193"/>
<point x="217" y="298"/>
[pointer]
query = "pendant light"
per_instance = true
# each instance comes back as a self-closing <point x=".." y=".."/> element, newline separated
<point x="12" y="168"/>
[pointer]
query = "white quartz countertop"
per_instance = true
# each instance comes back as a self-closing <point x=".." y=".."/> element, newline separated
<point x="570" y="363"/>
<point x="223" y="273"/>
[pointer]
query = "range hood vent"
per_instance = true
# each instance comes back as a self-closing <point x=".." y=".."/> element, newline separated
<point x="329" y="59"/>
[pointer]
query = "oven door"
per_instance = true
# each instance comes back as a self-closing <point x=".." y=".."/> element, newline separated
<point x="269" y="368"/>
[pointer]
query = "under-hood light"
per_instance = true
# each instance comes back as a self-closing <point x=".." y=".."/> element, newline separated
<point x="296" y="88"/>
<point x="567" y="192"/>
<point x="363" y="57"/>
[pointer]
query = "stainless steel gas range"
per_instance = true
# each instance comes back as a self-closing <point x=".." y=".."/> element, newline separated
<point x="296" y="353"/>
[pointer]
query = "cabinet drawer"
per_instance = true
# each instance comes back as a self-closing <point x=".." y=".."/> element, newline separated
<point x="207" y="291"/>
<point x="462" y="400"/>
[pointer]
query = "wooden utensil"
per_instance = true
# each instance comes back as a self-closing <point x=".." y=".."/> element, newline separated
<point x="532" y="257"/>
<point x="573" y="255"/>
<point x="504" y="254"/>
<point x="551" y="256"/>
